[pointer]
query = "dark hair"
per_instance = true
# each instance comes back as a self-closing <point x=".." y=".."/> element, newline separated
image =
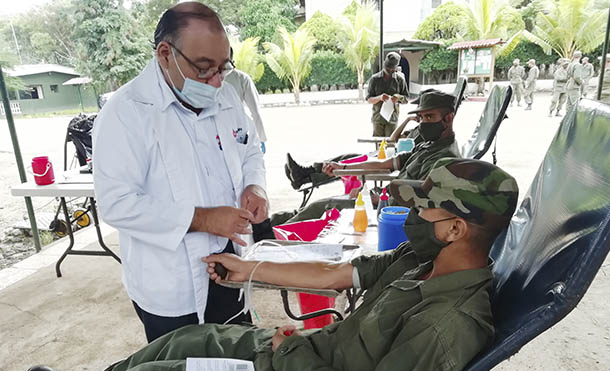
<point x="177" y="18"/>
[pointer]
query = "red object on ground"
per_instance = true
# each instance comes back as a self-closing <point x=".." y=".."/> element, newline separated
<point x="308" y="230"/>
<point x="351" y="182"/>
<point x="42" y="169"/>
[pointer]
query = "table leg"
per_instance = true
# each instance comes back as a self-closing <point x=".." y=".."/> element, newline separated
<point x="64" y="207"/>
<point x="96" y="222"/>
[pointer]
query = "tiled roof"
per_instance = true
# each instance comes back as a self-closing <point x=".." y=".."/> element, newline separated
<point x="475" y="44"/>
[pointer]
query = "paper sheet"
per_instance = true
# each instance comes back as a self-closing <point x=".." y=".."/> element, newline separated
<point x="293" y="253"/>
<point x="218" y="364"/>
<point x="387" y="108"/>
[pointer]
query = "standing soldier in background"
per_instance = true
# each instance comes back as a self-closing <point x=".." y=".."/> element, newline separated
<point x="530" y="83"/>
<point x="587" y="73"/>
<point x="515" y="75"/>
<point x="575" y="74"/>
<point x="385" y="85"/>
<point x="560" y="79"/>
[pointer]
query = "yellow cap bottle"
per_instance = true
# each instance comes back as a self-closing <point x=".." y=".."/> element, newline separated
<point x="361" y="221"/>
<point x="381" y="153"/>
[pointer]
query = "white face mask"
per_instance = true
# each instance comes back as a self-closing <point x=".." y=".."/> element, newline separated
<point x="195" y="93"/>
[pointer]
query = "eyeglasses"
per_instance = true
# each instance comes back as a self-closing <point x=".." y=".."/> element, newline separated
<point x="207" y="73"/>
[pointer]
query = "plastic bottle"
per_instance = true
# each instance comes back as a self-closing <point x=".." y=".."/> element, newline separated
<point x="383" y="202"/>
<point x="360" y="219"/>
<point x="381" y="153"/>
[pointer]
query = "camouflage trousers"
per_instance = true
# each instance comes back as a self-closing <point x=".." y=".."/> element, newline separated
<point x="573" y="98"/>
<point x="517" y="92"/>
<point x="383" y="129"/>
<point x="529" y="93"/>
<point x="559" y="98"/>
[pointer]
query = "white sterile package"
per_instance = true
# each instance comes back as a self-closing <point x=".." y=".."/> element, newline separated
<point x="218" y="364"/>
<point x="294" y="252"/>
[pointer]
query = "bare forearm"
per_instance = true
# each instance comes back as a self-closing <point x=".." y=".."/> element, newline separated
<point x="316" y="275"/>
<point x="396" y="134"/>
<point x="385" y="164"/>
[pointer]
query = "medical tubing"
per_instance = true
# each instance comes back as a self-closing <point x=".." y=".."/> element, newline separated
<point x="247" y="295"/>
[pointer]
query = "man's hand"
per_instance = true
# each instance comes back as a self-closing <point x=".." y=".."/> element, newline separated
<point x="329" y="168"/>
<point x="281" y="334"/>
<point x="223" y="221"/>
<point x="385" y="97"/>
<point x="394" y="99"/>
<point x="239" y="270"/>
<point x="254" y="199"/>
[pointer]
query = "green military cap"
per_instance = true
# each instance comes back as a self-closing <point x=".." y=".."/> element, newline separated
<point x="475" y="190"/>
<point x="391" y="60"/>
<point x="435" y="99"/>
<point x="416" y="100"/>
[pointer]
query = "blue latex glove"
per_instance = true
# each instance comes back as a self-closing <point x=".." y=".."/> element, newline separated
<point x="263" y="148"/>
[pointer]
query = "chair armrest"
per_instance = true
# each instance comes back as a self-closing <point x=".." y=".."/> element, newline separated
<point x="360" y="172"/>
<point x="383" y="177"/>
<point x="375" y="140"/>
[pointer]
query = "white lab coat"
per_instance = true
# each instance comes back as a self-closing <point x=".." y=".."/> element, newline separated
<point x="148" y="182"/>
<point x="246" y="91"/>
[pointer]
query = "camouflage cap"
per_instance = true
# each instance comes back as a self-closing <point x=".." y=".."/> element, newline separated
<point x="475" y="190"/>
<point x="435" y="99"/>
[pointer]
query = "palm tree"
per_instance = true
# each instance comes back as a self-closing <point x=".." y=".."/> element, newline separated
<point x="360" y="41"/>
<point x="247" y="58"/>
<point x="490" y="19"/>
<point x="569" y="25"/>
<point x="293" y="61"/>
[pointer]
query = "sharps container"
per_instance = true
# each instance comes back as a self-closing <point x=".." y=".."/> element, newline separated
<point x="391" y="231"/>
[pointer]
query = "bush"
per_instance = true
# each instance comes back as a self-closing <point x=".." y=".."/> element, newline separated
<point x="525" y="51"/>
<point x="270" y="81"/>
<point x="439" y="61"/>
<point x="325" y="30"/>
<point x="329" y="68"/>
<point x="445" y="23"/>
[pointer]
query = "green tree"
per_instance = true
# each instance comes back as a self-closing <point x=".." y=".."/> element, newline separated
<point x="569" y="25"/>
<point x="8" y="59"/>
<point x="116" y="49"/>
<point x="262" y="18"/>
<point x="246" y="57"/>
<point x="439" y="61"/>
<point x="326" y="31"/>
<point x="148" y="12"/>
<point x="292" y="61"/>
<point x="228" y="10"/>
<point x="360" y="41"/>
<point x="445" y="23"/>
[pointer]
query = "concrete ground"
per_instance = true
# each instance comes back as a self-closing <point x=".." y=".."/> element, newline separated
<point x="84" y="320"/>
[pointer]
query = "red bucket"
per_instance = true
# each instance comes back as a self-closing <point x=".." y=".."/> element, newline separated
<point x="42" y="169"/>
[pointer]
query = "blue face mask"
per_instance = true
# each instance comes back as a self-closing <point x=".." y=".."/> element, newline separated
<point x="195" y="93"/>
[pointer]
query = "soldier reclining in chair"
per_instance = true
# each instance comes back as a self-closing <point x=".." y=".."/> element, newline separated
<point x="426" y="305"/>
<point x="435" y="112"/>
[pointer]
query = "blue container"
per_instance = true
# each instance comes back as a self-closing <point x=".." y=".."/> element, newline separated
<point x="391" y="231"/>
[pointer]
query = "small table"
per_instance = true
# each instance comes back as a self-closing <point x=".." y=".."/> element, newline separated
<point x="68" y="184"/>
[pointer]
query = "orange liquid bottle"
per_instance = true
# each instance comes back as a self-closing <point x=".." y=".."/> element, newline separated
<point x="381" y="154"/>
<point x="361" y="221"/>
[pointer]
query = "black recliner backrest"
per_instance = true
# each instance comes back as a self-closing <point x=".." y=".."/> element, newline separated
<point x="559" y="237"/>
<point x="487" y="127"/>
<point x="458" y="92"/>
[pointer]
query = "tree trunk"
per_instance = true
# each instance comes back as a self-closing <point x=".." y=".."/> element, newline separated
<point x="361" y="84"/>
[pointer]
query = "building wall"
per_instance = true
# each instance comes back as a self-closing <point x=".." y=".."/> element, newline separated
<point x="64" y="98"/>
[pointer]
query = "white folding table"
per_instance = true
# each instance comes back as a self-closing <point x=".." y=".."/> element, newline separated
<point x="68" y="184"/>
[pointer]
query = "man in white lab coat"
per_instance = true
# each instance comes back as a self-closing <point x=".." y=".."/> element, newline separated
<point x="179" y="172"/>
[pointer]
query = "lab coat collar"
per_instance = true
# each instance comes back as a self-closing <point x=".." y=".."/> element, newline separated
<point x="151" y="88"/>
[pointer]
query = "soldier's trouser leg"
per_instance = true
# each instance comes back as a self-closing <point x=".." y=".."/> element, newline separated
<point x="210" y="341"/>
<point x="518" y="91"/>
<point x="315" y="209"/>
<point x="378" y="129"/>
<point x="573" y="97"/>
<point x="389" y="129"/>
<point x="554" y="101"/>
<point x="562" y="100"/>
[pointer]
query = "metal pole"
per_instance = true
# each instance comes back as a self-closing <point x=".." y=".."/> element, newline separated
<point x="380" y="35"/>
<point x="19" y="160"/>
<point x="16" y="43"/>
<point x="602" y="68"/>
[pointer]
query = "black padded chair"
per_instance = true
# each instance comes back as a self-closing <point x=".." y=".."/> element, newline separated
<point x="459" y="91"/>
<point x="487" y="127"/>
<point x="558" y="238"/>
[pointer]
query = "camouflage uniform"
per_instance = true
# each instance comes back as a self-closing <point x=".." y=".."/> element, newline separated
<point x="560" y="79"/>
<point x="575" y="74"/>
<point x="404" y="323"/>
<point x="587" y="74"/>
<point x="395" y="85"/>
<point x="530" y="85"/>
<point x="516" y="75"/>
